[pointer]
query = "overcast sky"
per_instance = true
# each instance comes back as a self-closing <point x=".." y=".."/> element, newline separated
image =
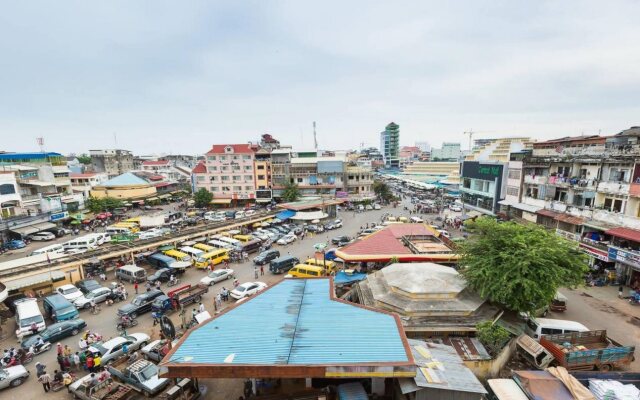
<point x="176" y="77"/>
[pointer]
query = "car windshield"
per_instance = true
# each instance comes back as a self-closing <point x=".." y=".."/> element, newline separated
<point x="70" y="290"/>
<point x="31" y="320"/>
<point x="149" y="372"/>
<point x="99" y="347"/>
<point x="138" y="300"/>
<point x="216" y="274"/>
<point x="3" y="373"/>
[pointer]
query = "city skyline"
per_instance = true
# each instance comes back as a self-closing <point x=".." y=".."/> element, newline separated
<point x="81" y="75"/>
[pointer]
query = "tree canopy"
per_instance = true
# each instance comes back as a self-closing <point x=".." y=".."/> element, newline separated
<point x="381" y="189"/>
<point x="519" y="266"/>
<point x="96" y="205"/>
<point x="84" y="159"/>
<point x="202" y="198"/>
<point x="291" y="192"/>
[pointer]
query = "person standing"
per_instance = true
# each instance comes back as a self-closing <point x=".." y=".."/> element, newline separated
<point x="45" y="379"/>
<point x="261" y="270"/>
<point x="90" y="362"/>
<point x="219" y="301"/>
<point x="255" y="271"/>
<point x="201" y="308"/>
<point x="76" y="361"/>
<point x="135" y="287"/>
<point x="60" y="360"/>
<point x="97" y="362"/>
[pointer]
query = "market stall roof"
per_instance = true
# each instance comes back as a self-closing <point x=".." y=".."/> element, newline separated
<point x="220" y="201"/>
<point x="308" y="203"/>
<point x="542" y="385"/>
<point x="625" y="233"/>
<point x="53" y="276"/>
<point x="601" y="225"/>
<point x="310" y="215"/>
<point x="343" y="278"/>
<point x="547" y="213"/>
<point x="126" y="179"/>
<point x="283" y="333"/>
<point x="569" y="219"/>
<point x="286" y="214"/>
<point x="27" y="230"/>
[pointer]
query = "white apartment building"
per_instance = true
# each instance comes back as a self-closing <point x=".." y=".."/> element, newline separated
<point x="82" y="183"/>
<point x="228" y="173"/>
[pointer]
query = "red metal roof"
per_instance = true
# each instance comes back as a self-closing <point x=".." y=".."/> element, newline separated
<point x="237" y="149"/>
<point x="161" y="162"/>
<point x="200" y="169"/>
<point x="569" y="219"/>
<point x="386" y="241"/>
<point x="162" y="184"/>
<point x="548" y="213"/>
<point x="625" y="233"/>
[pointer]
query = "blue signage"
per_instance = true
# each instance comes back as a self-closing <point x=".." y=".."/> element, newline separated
<point x="625" y="257"/>
<point x="58" y="216"/>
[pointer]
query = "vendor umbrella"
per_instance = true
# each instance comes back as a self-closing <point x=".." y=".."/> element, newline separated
<point x="315" y="221"/>
<point x="75" y="222"/>
<point x="86" y="221"/>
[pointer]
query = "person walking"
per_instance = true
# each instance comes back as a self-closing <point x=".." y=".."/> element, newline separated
<point x="83" y="361"/>
<point x="135" y="287"/>
<point x="67" y="351"/>
<point x="60" y="360"/>
<point x="76" y="361"/>
<point x="219" y="301"/>
<point x="201" y="307"/>
<point x="261" y="270"/>
<point x="45" y="379"/>
<point x="255" y="271"/>
<point x="90" y="362"/>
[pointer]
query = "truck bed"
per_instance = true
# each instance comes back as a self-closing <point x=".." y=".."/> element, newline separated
<point x="587" y="350"/>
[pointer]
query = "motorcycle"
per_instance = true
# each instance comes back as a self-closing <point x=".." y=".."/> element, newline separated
<point x="124" y="324"/>
<point x="21" y="358"/>
<point x="174" y="282"/>
<point x="38" y="350"/>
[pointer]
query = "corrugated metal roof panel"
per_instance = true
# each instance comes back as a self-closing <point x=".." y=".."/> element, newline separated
<point x="295" y="322"/>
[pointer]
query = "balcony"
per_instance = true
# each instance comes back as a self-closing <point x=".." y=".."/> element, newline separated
<point x="535" y="179"/>
<point x="621" y="188"/>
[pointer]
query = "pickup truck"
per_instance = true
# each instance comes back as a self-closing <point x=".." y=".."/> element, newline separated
<point x="104" y="390"/>
<point x="142" y="375"/>
<point x="576" y="351"/>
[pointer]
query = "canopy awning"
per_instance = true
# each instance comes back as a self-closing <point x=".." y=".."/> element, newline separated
<point x="28" y="230"/>
<point x="152" y="198"/>
<point x="309" y="216"/>
<point x="35" y="182"/>
<point x="53" y="276"/>
<point x="286" y="214"/>
<point x="220" y="201"/>
<point x="164" y="196"/>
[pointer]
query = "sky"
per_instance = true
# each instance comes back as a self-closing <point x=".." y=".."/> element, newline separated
<point x="176" y="77"/>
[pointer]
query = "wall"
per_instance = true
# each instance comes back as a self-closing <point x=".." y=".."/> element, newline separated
<point x="133" y="193"/>
<point x="488" y="369"/>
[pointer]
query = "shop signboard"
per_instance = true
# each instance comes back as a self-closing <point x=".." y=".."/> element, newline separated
<point x="58" y="216"/>
<point x="626" y="257"/>
<point x="594" y="252"/>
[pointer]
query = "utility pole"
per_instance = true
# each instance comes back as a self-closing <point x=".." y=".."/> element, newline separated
<point x="470" y="134"/>
<point x="315" y="138"/>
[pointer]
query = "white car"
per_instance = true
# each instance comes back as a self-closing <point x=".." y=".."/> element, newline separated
<point x="97" y="295"/>
<point x="377" y="206"/>
<point x="337" y="223"/>
<point x="112" y="349"/>
<point x="216" y="276"/>
<point x="286" y="239"/>
<point x="69" y="292"/>
<point x="444" y="233"/>
<point x="368" y="207"/>
<point x="42" y="236"/>
<point x="13" y="376"/>
<point x="247" y="289"/>
<point x="455" y="208"/>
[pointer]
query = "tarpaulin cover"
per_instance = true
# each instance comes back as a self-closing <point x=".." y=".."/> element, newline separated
<point x="541" y="385"/>
<point x="286" y="214"/>
<point x="576" y="388"/>
<point x="343" y="278"/>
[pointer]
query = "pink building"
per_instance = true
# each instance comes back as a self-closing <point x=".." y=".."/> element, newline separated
<point x="228" y="172"/>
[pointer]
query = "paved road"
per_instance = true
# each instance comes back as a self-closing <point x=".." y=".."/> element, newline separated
<point x="104" y="323"/>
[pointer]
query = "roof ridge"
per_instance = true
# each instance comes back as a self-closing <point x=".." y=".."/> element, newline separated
<point x="295" y="330"/>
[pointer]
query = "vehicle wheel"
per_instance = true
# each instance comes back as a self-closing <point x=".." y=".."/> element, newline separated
<point x="109" y="363"/>
<point x="133" y="315"/>
<point x="86" y="306"/>
<point x="230" y="276"/>
<point x="28" y="359"/>
<point x="211" y="283"/>
<point x="605" y="368"/>
<point x="74" y="332"/>
<point x="120" y="327"/>
<point x="198" y="299"/>
<point x="134" y="322"/>
<point x="16" y="382"/>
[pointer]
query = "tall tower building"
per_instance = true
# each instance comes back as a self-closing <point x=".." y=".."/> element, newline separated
<point x="390" y="145"/>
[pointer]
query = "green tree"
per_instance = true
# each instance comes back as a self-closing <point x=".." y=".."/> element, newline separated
<point x="94" y="205"/>
<point x="202" y="198"/>
<point x="381" y="189"/>
<point x="111" y="203"/>
<point x="492" y="336"/>
<point x="291" y="192"/>
<point x="84" y="159"/>
<point x="519" y="266"/>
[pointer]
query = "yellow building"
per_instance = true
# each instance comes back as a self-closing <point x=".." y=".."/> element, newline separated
<point x="499" y="149"/>
<point x="126" y="186"/>
<point x="435" y="168"/>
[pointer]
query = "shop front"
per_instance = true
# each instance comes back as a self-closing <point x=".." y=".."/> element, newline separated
<point x="625" y="251"/>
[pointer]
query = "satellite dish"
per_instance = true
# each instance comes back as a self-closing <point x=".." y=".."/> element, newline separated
<point x="167" y="328"/>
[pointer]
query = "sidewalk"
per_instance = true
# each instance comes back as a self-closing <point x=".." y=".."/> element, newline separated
<point x="608" y="295"/>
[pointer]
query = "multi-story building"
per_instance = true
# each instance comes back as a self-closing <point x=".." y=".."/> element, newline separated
<point x="229" y="173"/>
<point x="84" y="182"/>
<point x="424" y="147"/>
<point x="112" y="161"/>
<point x="390" y="145"/>
<point x="432" y="168"/>
<point x="498" y="149"/>
<point x="448" y="152"/>
<point x="483" y="185"/>
<point x="264" y="190"/>
<point x="359" y="182"/>
<point x="10" y="199"/>
<point x="164" y="168"/>
<point x="317" y="175"/>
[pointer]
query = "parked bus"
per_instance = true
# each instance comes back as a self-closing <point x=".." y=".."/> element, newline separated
<point x="231" y="241"/>
<point x="88" y="242"/>
<point x="204" y="247"/>
<point x="243" y="238"/>
<point x="178" y="255"/>
<point x="54" y="248"/>
<point x="193" y="252"/>
<point x="115" y="230"/>
<point x="330" y="266"/>
<point x="132" y="226"/>
<point x="214" y="257"/>
<point x="219" y="244"/>
<point x="251" y="246"/>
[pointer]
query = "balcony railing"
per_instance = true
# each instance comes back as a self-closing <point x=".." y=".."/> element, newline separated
<point x="613" y="187"/>
<point x="535" y="179"/>
<point x="602" y="245"/>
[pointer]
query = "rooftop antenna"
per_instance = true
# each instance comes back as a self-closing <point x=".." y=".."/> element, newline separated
<point x="115" y="139"/>
<point x="470" y="133"/>
<point x="315" y="138"/>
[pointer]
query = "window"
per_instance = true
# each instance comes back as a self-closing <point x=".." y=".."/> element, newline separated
<point x="214" y="189"/>
<point x="561" y="195"/>
<point x="223" y="158"/>
<point x="564" y="171"/>
<point x="234" y="157"/>
<point x="260" y="166"/>
<point x="237" y="188"/>
<point x="619" y="175"/>
<point x="260" y="176"/>
<point x="247" y="167"/>
<point x="226" y="188"/>
<point x="224" y="178"/>
<point x="213" y="178"/>
<point x="236" y="178"/>
<point x="246" y="157"/>
<point x="200" y="178"/>
<point x="224" y="168"/>
<point x="7" y="188"/>
<point x="514" y="174"/>
<point x="248" y="188"/>
<point x="248" y="177"/>
<point x="236" y="168"/>
<point x="299" y="180"/>
<point x="512" y="190"/>
<point x="614" y="205"/>
<point x="213" y="168"/>
<point x="550" y="331"/>
<point x="532" y="192"/>
<point x="211" y="158"/>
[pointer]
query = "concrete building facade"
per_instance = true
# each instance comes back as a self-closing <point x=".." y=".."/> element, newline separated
<point x="229" y="172"/>
<point x="112" y="161"/>
<point x="390" y="145"/>
<point x="448" y="152"/>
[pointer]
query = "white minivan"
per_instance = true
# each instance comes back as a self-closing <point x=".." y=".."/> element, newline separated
<point x="88" y="242"/>
<point x="27" y="314"/>
<point x="536" y="327"/>
<point x="54" y="248"/>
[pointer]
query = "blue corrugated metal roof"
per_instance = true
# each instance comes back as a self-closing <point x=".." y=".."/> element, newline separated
<point x="26" y="156"/>
<point x="352" y="391"/>
<point x="286" y="214"/>
<point x="126" y="179"/>
<point x="295" y="322"/>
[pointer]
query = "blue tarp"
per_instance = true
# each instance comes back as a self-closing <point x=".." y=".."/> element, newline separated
<point x="352" y="391"/>
<point x="342" y="278"/>
<point x="286" y="214"/>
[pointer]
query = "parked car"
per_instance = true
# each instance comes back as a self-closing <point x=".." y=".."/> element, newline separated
<point x="455" y="208"/>
<point x="96" y="295"/>
<point x="162" y="275"/>
<point x="216" y="276"/>
<point x="315" y="228"/>
<point x="13" y="376"/>
<point x="286" y="239"/>
<point x="15" y="244"/>
<point x="56" y="332"/>
<point x="266" y="256"/>
<point x="42" y="236"/>
<point x="338" y="239"/>
<point x="368" y="207"/>
<point x="330" y="226"/>
<point x="247" y="289"/>
<point x="87" y="285"/>
<point x="69" y="292"/>
<point x="112" y="349"/>
<point x="140" y="304"/>
<point x="377" y="206"/>
<point x="338" y="223"/>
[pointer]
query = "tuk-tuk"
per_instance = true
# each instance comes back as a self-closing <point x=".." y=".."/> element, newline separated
<point x="559" y="303"/>
<point x="162" y="304"/>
